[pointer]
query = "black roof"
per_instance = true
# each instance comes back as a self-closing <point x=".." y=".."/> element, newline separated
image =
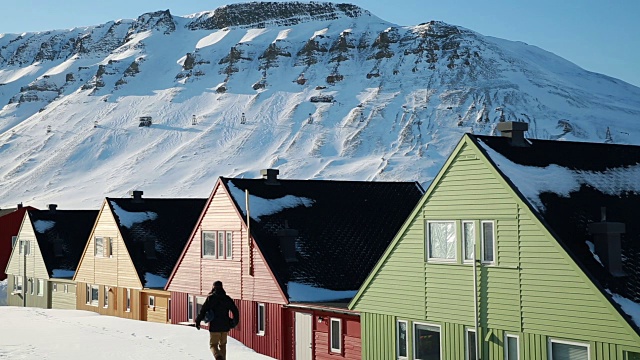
<point x="343" y="227"/>
<point x="62" y="236"/>
<point x="155" y="232"/>
<point x="568" y="215"/>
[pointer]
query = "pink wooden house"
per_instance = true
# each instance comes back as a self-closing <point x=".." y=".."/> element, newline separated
<point x="311" y="245"/>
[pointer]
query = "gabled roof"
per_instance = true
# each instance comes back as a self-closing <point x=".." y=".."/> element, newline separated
<point x="62" y="236"/>
<point x="155" y="231"/>
<point x="566" y="184"/>
<point x="343" y="228"/>
<point x="4" y="212"/>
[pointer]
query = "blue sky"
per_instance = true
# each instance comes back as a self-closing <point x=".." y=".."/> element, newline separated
<point x="600" y="36"/>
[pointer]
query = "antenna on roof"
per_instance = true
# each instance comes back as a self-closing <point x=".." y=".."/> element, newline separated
<point x="243" y="119"/>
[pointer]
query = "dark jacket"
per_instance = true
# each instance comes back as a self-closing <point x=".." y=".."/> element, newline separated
<point x="221" y="305"/>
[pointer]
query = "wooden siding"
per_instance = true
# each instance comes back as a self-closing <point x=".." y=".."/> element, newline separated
<point x="273" y="342"/>
<point x="35" y="264"/>
<point x="351" y="333"/>
<point x="9" y="227"/>
<point x="116" y="271"/>
<point x="534" y="290"/>
<point x="159" y="312"/>
<point x="195" y="274"/>
<point x="117" y="302"/>
<point x="60" y="299"/>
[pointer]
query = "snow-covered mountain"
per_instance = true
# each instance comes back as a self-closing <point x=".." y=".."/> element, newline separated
<point x="327" y="91"/>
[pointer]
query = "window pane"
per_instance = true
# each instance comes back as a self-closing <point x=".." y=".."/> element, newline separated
<point x="190" y="308"/>
<point x="471" y="345"/>
<point x="99" y="247"/>
<point x="442" y="240"/>
<point x="633" y="356"/>
<point x="260" y="318"/>
<point x="402" y="339"/>
<point x="487" y="238"/>
<point x="94" y="294"/>
<point x="128" y="299"/>
<point x="229" y="246"/>
<point x="209" y="244"/>
<point x="335" y="335"/>
<point x="568" y="352"/>
<point x="199" y="304"/>
<point x="469" y="234"/>
<point x="40" y="287"/>
<point x="220" y="244"/>
<point x="512" y="348"/>
<point x="427" y="342"/>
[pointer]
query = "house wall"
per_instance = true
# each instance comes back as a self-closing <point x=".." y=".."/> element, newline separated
<point x="9" y="227"/>
<point x="273" y="343"/>
<point x="117" y="302"/>
<point x="535" y="290"/>
<point x="351" y="336"/>
<point x="157" y="313"/>
<point x="61" y="299"/>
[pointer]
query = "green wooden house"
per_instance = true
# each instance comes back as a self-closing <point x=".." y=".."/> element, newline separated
<point x="519" y="249"/>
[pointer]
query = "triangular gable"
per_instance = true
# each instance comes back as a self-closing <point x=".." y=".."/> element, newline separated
<point x="28" y="233"/>
<point x="125" y="272"/>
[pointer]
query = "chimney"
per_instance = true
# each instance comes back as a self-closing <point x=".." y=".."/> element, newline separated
<point x="136" y="195"/>
<point x="287" y="238"/>
<point x="52" y="207"/>
<point x="515" y="131"/>
<point x="271" y="175"/>
<point x="606" y="236"/>
<point x="19" y="206"/>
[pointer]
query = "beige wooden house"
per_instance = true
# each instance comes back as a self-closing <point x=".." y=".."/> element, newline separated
<point x="130" y="254"/>
<point x="45" y="256"/>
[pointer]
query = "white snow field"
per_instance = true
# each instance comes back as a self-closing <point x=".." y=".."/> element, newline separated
<point x="29" y="333"/>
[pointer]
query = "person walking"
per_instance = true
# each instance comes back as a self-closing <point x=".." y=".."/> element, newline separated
<point x="215" y="310"/>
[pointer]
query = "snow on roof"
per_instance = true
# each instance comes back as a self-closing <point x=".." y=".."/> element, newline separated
<point x="533" y="181"/>
<point x="307" y="293"/>
<point x="128" y="219"/>
<point x="261" y="206"/>
<point x="60" y="273"/>
<point x="42" y="226"/>
<point x="154" y="281"/>
<point x="593" y="251"/>
<point x="630" y="307"/>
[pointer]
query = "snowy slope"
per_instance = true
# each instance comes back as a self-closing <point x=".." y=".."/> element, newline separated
<point x="401" y="97"/>
<point x="29" y="333"/>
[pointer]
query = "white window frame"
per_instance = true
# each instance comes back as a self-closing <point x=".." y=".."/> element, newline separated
<point x="220" y="253"/>
<point x="493" y="225"/>
<point x="32" y="286"/>
<point x="87" y="294"/>
<point x="337" y="350"/>
<point x="66" y="288"/>
<point x="40" y="289"/>
<point x="464" y="240"/>
<point x="108" y="247"/>
<point x="17" y="283"/>
<point x="406" y="340"/>
<point x="261" y="318"/>
<point x="14" y="241"/>
<point x="215" y="244"/>
<point x="26" y="246"/>
<point x="414" y="337"/>
<point x="428" y="235"/>
<point x="96" y="253"/>
<point x="95" y="302"/>
<point x="128" y="300"/>
<point x="191" y="301"/>
<point x="106" y="297"/>
<point x="229" y="245"/>
<point x="466" y="342"/>
<point x="152" y="301"/>
<point x="169" y="310"/>
<point x="552" y="341"/>
<point x="506" y="346"/>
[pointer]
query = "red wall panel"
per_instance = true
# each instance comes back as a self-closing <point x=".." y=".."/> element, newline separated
<point x="9" y="227"/>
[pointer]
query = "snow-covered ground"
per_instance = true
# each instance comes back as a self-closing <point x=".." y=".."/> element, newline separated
<point x="3" y="292"/>
<point x="29" y="333"/>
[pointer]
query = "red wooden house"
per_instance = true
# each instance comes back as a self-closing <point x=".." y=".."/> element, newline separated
<point x="10" y="221"/>
<point x="311" y="245"/>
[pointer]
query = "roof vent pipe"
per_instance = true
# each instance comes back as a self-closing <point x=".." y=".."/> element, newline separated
<point x="136" y="195"/>
<point x="515" y="131"/>
<point x="52" y="207"/>
<point x="271" y="176"/>
<point x="606" y="236"/>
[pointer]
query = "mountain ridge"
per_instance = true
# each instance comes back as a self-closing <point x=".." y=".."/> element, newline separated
<point x="325" y="95"/>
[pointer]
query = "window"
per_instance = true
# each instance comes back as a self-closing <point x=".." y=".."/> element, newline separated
<point x="40" y="287"/>
<point x="190" y="308"/>
<point x="128" y="300"/>
<point x="336" y="336"/>
<point x="106" y="296"/>
<point x="25" y="247"/>
<point x="98" y="247"/>
<point x="220" y="253"/>
<point x="66" y="288"/>
<point x="54" y="287"/>
<point x="17" y="283"/>
<point x="32" y="286"/>
<point x="95" y="293"/>
<point x="199" y="304"/>
<point x="169" y="311"/>
<point x="441" y="240"/>
<point x="488" y="242"/>
<point x="511" y="350"/>
<point x="260" y="319"/>
<point x="633" y="355"/>
<point x="229" y="246"/>
<point x="14" y="239"/>
<point x="208" y="243"/>
<point x="468" y="240"/>
<point x="426" y="342"/>
<point x="108" y="242"/>
<point x="564" y="350"/>
<point x="470" y="344"/>
<point x="152" y="301"/>
<point x="402" y="340"/>
<point x="87" y="294"/>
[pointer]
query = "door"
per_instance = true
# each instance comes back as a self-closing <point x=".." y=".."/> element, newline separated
<point x="304" y="341"/>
